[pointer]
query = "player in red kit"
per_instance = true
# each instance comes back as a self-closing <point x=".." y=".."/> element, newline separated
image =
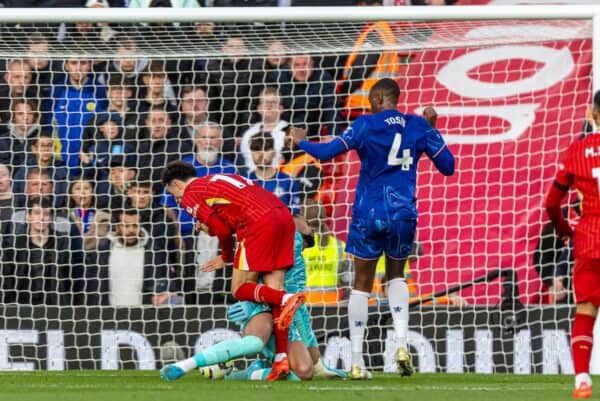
<point x="580" y="169"/>
<point x="227" y="204"/>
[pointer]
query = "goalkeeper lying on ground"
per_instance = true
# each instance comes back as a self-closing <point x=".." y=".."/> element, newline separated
<point x="257" y="327"/>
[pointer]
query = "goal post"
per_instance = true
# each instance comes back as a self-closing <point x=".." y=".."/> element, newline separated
<point x="115" y="94"/>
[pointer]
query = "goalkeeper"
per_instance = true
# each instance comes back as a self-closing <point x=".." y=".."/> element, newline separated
<point x="303" y="351"/>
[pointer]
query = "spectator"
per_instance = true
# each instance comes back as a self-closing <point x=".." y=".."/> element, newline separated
<point x="15" y="142"/>
<point x="36" y="181"/>
<point x="128" y="267"/>
<point x="207" y="160"/>
<point x="40" y="266"/>
<point x="42" y="158"/>
<point x="111" y="192"/>
<point x="91" y="223"/>
<point x="194" y="110"/>
<point x="308" y="96"/>
<point x="276" y="61"/>
<point x="109" y="142"/>
<point x="76" y="100"/>
<point x="162" y="144"/>
<point x="44" y="71"/>
<point x="6" y="197"/>
<point x="153" y="217"/>
<point x="327" y="264"/>
<point x="157" y="91"/>
<point x="269" y="110"/>
<point x="230" y="82"/>
<point x="119" y="91"/>
<point x="129" y="62"/>
<point x="17" y="85"/>
<point x="269" y="177"/>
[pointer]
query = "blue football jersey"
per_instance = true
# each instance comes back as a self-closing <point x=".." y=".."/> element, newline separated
<point x="284" y="187"/>
<point x="389" y="145"/>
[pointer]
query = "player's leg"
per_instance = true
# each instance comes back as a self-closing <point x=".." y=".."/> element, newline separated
<point x="358" y="310"/>
<point x="303" y="324"/>
<point x="398" y="244"/>
<point x="586" y="284"/>
<point x="219" y="353"/>
<point x="366" y="244"/>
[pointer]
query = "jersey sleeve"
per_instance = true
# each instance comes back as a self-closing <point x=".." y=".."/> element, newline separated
<point x="353" y="136"/>
<point x="564" y="176"/>
<point x="217" y="228"/>
<point x="294" y="197"/>
<point x="434" y="146"/>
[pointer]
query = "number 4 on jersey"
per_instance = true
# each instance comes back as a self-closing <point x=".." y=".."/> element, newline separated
<point x="393" y="160"/>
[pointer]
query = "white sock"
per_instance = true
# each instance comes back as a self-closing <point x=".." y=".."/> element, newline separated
<point x="398" y="300"/>
<point x="187" y="364"/>
<point x="285" y="298"/>
<point x="583" y="378"/>
<point x="358" y="310"/>
<point x="280" y="356"/>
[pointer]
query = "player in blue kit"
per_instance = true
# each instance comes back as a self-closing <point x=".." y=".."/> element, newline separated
<point x="384" y="215"/>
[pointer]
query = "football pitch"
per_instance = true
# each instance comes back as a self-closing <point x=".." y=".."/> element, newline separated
<point x="146" y="386"/>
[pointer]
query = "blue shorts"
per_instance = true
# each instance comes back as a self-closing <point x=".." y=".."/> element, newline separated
<point x="369" y="238"/>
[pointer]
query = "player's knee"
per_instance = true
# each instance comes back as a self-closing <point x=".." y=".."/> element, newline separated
<point x="303" y="369"/>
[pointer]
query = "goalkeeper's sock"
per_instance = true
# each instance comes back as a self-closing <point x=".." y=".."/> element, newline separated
<point x="223" y="352"/>
<point x="581" y="342"/>
<point x="398" y="300"/>
<point x="261" y="293"/>
<point x="357" y="320"/>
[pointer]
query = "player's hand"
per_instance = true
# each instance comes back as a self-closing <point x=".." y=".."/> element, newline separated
<point x="298" y="134"/>
<point x="200" y="227"/>
<point x="239" y="311"/>
<point x="215" y="263"/>
<point x="558" y="290"/>
<point x="431" y="116"/>
<point x="159" y="299"/>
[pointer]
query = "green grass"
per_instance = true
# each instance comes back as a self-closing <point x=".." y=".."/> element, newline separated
<point x="146" y="386"/>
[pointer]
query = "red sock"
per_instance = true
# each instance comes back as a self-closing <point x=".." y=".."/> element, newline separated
<point x="255" y="292"/>
<point x="281" y="336"/>
<point x="581" y="342"/>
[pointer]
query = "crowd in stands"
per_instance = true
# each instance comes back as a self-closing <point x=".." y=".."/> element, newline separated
<point x="83" y="141"/>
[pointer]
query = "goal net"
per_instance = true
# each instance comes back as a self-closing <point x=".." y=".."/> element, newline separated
<point x="100" y="266"/>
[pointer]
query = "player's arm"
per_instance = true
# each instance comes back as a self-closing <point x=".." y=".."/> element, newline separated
<point x="435" y="147"/>
<point x="558" y="190"/>
<point x="217" y="228"/>
<point x="328" y="150"/>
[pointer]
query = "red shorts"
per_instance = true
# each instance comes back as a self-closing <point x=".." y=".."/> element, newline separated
<point x="267" y="245"/>
<point x="586" y="281"/>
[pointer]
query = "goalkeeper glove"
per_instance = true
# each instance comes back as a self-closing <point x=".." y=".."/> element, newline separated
<point x="239" y="312"/>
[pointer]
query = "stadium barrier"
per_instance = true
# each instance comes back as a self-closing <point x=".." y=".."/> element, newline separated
<point x="480" y="340"/>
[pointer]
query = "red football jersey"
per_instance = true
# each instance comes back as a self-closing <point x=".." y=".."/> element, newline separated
<point x="580" y="168"/>
<point x="227" y="203"/>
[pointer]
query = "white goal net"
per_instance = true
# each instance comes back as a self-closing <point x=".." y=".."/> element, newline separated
<point x="99" y="267"/>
